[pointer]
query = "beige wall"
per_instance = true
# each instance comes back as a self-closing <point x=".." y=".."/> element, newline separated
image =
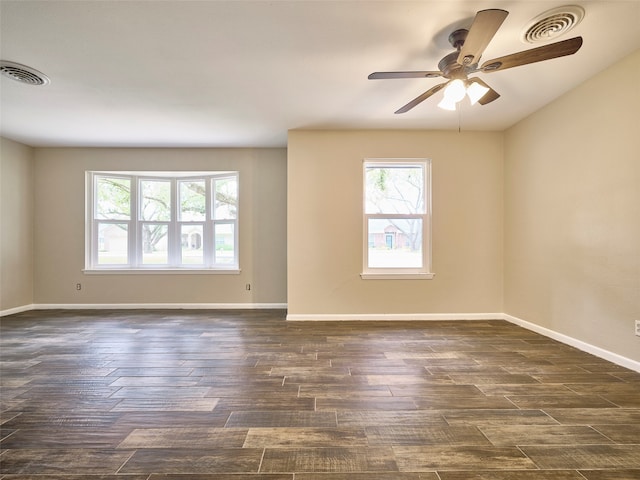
<point x="325" y="239"/>
<point x="16" y="225"/>
<point x="59" y="220"/>
<point x="572" y="213"/>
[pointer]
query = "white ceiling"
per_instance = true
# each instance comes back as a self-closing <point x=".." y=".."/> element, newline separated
<point x="241" y="73"/>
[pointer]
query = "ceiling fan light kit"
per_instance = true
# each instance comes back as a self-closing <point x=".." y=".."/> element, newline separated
<point x="457" y="89"/>
<point x="470" y="44"/>
<point x="476" y="92"/>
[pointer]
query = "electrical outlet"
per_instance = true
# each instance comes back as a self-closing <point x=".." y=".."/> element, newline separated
<point x="638" y="328"/>
<point x="78" y="286"/>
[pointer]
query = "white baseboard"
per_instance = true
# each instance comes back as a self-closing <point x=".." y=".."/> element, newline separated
<point x="579" y="344"/>
<point x="370" y="317"/>
<point x="142" y="306"/>
<point x="12" y="311"/>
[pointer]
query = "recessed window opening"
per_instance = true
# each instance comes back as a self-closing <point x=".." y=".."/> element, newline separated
<point x="397" y="219"/>
<point x="162" y="221"/>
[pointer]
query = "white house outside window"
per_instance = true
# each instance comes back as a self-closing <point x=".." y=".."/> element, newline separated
<point x="397" y="219"/>
<point x="159" y="221"/>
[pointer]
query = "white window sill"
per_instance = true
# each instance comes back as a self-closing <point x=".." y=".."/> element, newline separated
<point x="161" y="271"/>
<point x="397" y="276"/>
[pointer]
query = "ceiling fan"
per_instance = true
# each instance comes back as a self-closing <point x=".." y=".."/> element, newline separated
<point x="470" y="44"/>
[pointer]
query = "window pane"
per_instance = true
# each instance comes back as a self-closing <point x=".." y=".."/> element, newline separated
<point x="155" y="200"/>
<point x="154" y="244"/>
<point x="224" y="234"/>
<point x="226" y="198"/>
<point x="113" y="197"/>
<point x="191" y="240"/>
<point x="395" y="190"/>
<point x="192" y="200"/>
<point x="395" y="243"/>
<point x="113" y="244"/>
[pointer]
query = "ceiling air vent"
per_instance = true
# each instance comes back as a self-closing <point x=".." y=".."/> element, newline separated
<point x="552" y="24"/>
<point x="22" y="73"/>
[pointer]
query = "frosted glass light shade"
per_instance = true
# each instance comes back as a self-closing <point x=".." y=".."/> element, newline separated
<point x="455" y="91"/>
<point x="475" y="92"/>
<point x="447" y="104"/>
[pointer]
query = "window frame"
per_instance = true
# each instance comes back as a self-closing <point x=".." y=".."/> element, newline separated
<point x="175" y="260"/>
<point x="401" y="273"/>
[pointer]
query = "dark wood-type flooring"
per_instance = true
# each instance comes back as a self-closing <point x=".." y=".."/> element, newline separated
<point x="225" y="395"/>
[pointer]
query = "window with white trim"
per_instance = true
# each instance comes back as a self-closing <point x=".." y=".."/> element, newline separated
<point x="397" y="219"/>
<point x="162" y="221"/>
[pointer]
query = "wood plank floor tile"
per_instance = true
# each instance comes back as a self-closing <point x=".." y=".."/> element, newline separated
<point x="435" y="390"/>
<point x="149" y="391"/>
<point x="425" y="435"/>
<point x="309" y="371"/>
<point x="525" y="390"/>
<point x="155" y="404"/>
<point x="222" y="460"/>
<point x="365" y="418"/>
<point x="560" y="401"/>
<point x="40" y="419"/>
<point x="424" y="379"/>
<point x="498" y="417"/>
<point x="428" y="458"/>
<point x="629" y="434"/>
<point x="152" y="372"/>
<point x="584" y="457"/>
<point x="63" y="461"/>
<point x="402" y="369"/>
<point x="74" y="477"/>
<point x="305" y="437"/>
<point x="621" y="474"/>
<point x="184" y="437"/>
<point x="365" y="403"/>
<point x="347" y="459"/>
<point x="279" y="419"/>
<point x="590" y="416"/>
<point x="150" y="381"/>
<point x="368" y="476"/>
<point x="343" y="391"/>
<point x="275" y="401"/>
<point x="65" y="437"/>
<point x="172" y="419"/>
<point x="605" y="389"/>
<point x="441" y="402"/>
<point x="624" y="401"/>
<point x="501" y="378"/>
<point x="219" y="476"/>
<point x="570" y="378"/>
<point x="543" y="435"/>
<point x="512" y="475"/>
<point x="252" y="390"/>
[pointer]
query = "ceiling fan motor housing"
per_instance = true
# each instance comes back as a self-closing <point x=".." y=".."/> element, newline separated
<point x="457" y="38"/>
<point x="449" y="65"/>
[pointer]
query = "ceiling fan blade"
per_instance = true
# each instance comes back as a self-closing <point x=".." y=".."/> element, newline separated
<point x="546" y="52"/>
<point x="387" y="75"/>
<point x="488" y="97"/>
<point x="421" y="98"/>
<point x="484" y="27"/>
